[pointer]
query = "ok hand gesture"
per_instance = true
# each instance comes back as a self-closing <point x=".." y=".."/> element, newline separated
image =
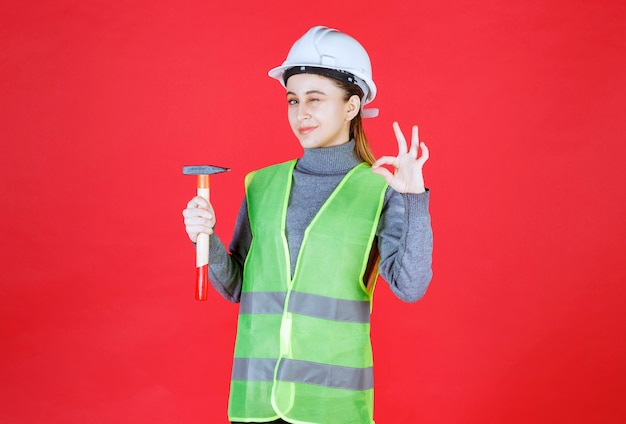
<point x="407" y="176"/>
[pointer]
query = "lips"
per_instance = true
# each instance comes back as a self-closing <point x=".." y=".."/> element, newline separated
<point x="305" y="130"/>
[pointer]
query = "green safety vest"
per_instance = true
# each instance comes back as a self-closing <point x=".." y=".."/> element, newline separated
<point x="303" y="350"/>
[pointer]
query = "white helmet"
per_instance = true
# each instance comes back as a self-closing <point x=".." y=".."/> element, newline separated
<point x="323" y="48"/>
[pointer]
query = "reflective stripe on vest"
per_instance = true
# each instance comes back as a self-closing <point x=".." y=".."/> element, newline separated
<point x="261" y="369"/>
<point x="303" y="351"/>
<point x="306" y="304"/>
<point x="262" y="303"/>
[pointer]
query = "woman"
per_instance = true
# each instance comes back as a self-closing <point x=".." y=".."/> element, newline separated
<point x="310" y="238"/>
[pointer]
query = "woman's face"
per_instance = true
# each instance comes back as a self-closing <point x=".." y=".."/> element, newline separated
<point x="318" y="114"/>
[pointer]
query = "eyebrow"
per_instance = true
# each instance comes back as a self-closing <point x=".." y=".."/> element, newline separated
<point x="307" y="93"/>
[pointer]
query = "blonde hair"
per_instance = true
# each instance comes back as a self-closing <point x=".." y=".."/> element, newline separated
<point x="362" y="147"/>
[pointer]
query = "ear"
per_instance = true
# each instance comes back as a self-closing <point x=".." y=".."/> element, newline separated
<point x="353" y="106"/>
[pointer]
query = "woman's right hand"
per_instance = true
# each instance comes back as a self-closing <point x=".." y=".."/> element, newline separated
<point x="199" y="218"/>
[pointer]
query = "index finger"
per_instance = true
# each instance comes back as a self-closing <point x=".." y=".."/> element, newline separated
<point x="198" y="202"/>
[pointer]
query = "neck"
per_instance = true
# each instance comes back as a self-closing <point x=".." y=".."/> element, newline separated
<point x="329" y="160"/>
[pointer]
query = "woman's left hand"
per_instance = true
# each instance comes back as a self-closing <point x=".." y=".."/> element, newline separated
<point x="407" y="176"/>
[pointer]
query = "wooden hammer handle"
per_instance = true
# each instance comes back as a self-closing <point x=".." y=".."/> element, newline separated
<point x="202" y="247"/>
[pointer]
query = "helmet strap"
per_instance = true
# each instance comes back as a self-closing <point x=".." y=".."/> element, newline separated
<point x="342" y="76"/>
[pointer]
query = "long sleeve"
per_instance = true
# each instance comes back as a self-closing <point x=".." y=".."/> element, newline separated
<point x="405" y="241"/>
<point x="226" y="269"/>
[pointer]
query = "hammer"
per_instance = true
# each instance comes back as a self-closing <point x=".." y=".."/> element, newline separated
<point x="202" y="243"/>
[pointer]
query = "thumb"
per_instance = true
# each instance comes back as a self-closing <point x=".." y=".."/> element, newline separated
<point x="383" y="172"/>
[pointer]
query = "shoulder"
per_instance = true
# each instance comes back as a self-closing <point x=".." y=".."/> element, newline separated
<point x="368" y="179"/>
<point x="270" y="170"/>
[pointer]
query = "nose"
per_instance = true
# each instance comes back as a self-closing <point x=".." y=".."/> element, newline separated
<point x="303" y="112"/>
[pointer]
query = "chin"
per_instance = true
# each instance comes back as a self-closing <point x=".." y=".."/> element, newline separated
<point x="309" y="144"/>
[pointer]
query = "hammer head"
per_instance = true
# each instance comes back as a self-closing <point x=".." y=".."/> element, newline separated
<point x="203" y="169"/>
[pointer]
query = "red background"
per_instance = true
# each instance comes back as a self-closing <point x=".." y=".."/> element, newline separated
<point x="522" y="105"/>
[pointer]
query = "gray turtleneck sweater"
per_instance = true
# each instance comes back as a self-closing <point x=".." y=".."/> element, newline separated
<point x="404" y="233"/>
